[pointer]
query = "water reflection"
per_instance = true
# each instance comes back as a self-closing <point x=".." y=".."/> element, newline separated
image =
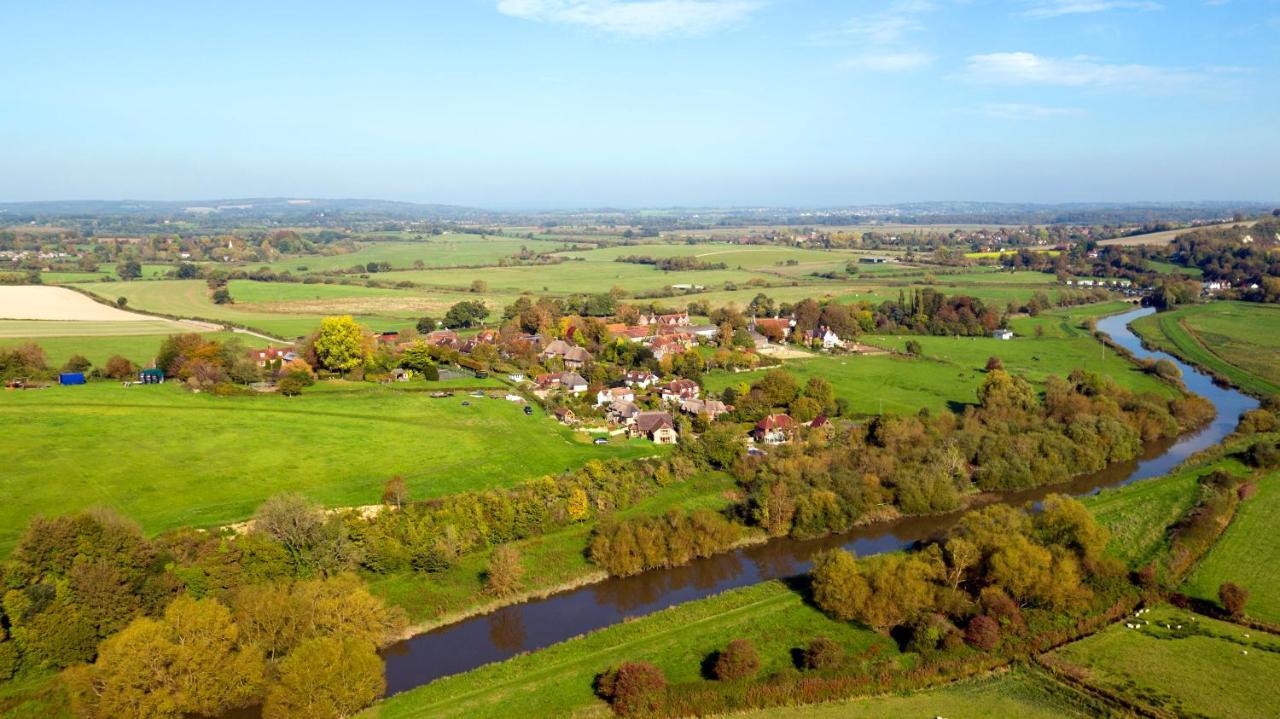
<point x="471" y="643"/>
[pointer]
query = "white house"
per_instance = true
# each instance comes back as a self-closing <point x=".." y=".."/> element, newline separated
<point x="1003" y="334"/>
<point x="640" y="378"/>
<point x="615" y="394"/>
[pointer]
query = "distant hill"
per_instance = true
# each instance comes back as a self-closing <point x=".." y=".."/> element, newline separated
<point x="274" y="208"/>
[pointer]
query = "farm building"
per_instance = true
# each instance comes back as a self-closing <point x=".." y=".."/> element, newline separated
<point x="1003" y="334"/>
<point x="153" y="375"/>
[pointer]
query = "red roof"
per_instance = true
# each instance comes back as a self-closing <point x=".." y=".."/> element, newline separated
<point x="776" y="421"/>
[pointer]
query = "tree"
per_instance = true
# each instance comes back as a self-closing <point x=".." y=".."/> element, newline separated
<point x="426" y="324"/>
<point x="291" y="384"/>
<point x="129" y="269"/>
<point x="77" y="363"/>
<point x="417" y="357"/>
<point x="983" y="633"/>
<point x="293" y="521"/>
<point x="395" y="492"/>
<point x="119" y="368"/>
<point x="122" y="301"/>
<point x="222" y="296"/>
<point x="326" y="678"/>
<point x="839" y="588"/>
<point x="739" y="660"/>
<point x="341" y="344"/>
<point x="913" y="348"/>
<point x="994" y="363"/>
<point x="633" y="689"/>
<point x="1233" y="598"/>
<point x="505" y="573"/>
<point x="467" y="313"/>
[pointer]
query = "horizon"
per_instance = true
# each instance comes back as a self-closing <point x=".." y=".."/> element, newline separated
<point x="539" y="104"/>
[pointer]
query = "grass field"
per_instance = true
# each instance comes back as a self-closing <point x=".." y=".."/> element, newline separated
<point x="1206" y="668"/>
<point x="952" y="368"/>
<point x="557" y="681"/>
<point x="1163" y="237"/>
<point x="1019" y="692"/>
<point x="98" y="348"/>
<point x="168" y="458"/>
<point x="1239" y="340"/>
<point x="1247" y="554"/>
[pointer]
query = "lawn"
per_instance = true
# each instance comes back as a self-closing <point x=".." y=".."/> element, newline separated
<point x="1247" y="554"/>
<point x="1205" y="668"/>
<point x="557" y="681"/>
<point x="168" y="458"/>
<point x="1239" y="340"/>
<point x="1019" y="692"/>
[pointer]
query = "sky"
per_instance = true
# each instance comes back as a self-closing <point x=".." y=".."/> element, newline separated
<point x="540" y="104"/>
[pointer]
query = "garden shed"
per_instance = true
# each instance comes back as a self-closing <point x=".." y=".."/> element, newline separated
<point x="70" y="378"/>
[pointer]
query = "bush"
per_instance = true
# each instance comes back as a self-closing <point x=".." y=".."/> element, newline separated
<point x="739" y="660"/>
<point x="914" y="349"/>
<point x="983" y="633"/>
<point x="822" y="653"/>
<point x="119" y="368"/>
<point x="77" y="363"/>
<point x="1263" y="455"/>
<point x="633" y="689"/>
<point x="291" y="385"/>
<point x="1233" y="598"/>
<point x="9" y="658"/>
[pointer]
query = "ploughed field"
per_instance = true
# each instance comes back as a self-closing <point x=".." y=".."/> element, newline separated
<point x="167" y="458"/>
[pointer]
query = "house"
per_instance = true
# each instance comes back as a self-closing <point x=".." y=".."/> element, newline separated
<point x="708" y="332"/>
<point x="774" y="429"/>
<point x="819" y="422"/>
<point x="566" y="415"/>
<point x="679" y="390"/>
<point x="639" y="378"/>
<point x="573" y="382"/>
<point x="442" y="338"/>
<point x="1003" y="334"/>
<point x="557" y="348"/>
<point x="825" y="337"/>
<point x="678" y="319"/>
<point x="576" y="358"/>
<point x="713" y="408"/>
<point x="548" y="381"/>
<point x="388" y="338"/>
<point x="672" y="344"/>
<point x="623" y="413"/>
<point x="615" y="394"/>
<point x="657" y="426"/>
<point x="516" y="377"/>
<point x="266" y="356"/>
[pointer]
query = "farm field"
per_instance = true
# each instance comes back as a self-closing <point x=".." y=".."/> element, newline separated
<point x="224" y="455"/>
<point x="571" y="277"/>
<point x="1247" y="554"/>
<point x="446" y="250"/>
<point x="1019" y="692"/>
<point x="98" y="348"/>
<point x="1239" y="340"/>
<point x="36" y="302"/>
<point x="1164" y="237"/>
<point x="557" y="681"/>
<point x="1204" y="668"/>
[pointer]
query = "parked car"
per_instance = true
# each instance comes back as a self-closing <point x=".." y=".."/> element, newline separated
<point x="466" y="404"/>
<point x="528" y="410"/>
<point x="600" y="440"/>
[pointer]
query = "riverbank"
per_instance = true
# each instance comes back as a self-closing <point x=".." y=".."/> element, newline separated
<point x="1247" y="332"/>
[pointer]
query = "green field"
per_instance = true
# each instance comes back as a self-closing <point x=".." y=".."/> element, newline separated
<point x="571" y="277"/>
<point x="1239" y="340"/>
<point x="1019" y="692"/>
<point x="557" y="681"/>
<point x="952" y="368"/>
<point x="98" y="348"/>
<point x="1247" y="554"/>
<point x="446" y="250"/>
<point x="167" y="458"/>
<point x="1206" y="668"/>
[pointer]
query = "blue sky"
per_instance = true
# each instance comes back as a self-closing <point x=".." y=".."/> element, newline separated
<point x="571" y="103"/>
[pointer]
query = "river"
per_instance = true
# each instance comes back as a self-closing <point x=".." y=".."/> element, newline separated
<point x="533" y="625"/>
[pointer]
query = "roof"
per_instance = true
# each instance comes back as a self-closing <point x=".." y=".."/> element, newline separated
<point x="820" y="421"/>
<point x="776" y="421"/>
<point x="649" y="422"/>
<point x="679" y="386"/>
<point x="624" y="408"/>
<point x="577" y="354"/>
<point x="557" y="347"/>
<point x="572" y="379"/>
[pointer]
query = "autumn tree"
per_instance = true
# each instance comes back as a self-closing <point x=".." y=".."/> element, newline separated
<point x="739" y="660"/>
<point x="326" y="678"/>
<point x="341" y="345"/>
<point x="633" y="689"/>
<point x="118" y="367"/>
<point x="1233" y="598"/>
<point x="839" y="588"/>
<point x="822" y="653"/>
<point x="395" y="492"/>
<point x="505" y="573"/>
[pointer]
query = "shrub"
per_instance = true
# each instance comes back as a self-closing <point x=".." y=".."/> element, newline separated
<point x="739" y="660"/>
<point x="77" y="363"/>
<point x="9" y="658"/>
<point x="822" y="653"/>
<point x="983" y="633"/>
<point x="119" y="368"/>
<point x="505" y="573"/>
<point x="633" y="689"/>
<point x="994" y="363"/>
<point x="1233" y="598"/>
<point x="1263" y="455"/>
<point x="291" y="385"/>
<point x="913" y="348"/>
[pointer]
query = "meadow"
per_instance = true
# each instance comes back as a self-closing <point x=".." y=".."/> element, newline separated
<point x="98" y="344"/>
<point x="1247" y="554"/>
<point x="557" y="681"/>
<point x="447" y="250"/>
<point x="1201" y="667"/>
<point x="1238" y="340"/>
<point x="167" y="458"/>
<point x="1018" y="692"/>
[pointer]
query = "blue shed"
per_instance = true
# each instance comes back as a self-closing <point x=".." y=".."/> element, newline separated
<point x="71" y="378"/>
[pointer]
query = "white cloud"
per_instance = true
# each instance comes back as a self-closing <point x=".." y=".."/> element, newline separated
<point x="1024" y="68"/>
<point x="640" y="18"/>
<point x="888" y="61"/>
<point x="1021" y="111"/>
<point x="899" y="19"/>
<point x="1056" y="8"/>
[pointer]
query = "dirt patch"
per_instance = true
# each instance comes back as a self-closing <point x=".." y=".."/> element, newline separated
<point x="784" y="352"/>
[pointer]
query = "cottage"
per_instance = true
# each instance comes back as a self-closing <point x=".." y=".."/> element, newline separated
<point x="639" y="378"/>
<point x="566" y="415"/>
<point x="824" y="337"/>
<point x="1003" y="334"/>
<point x="657" y="426"/>
<point x="442" y="338"/>
<point x="557" y="348"/>
<point x="266" y="356"/>
<point x="576" y="358"/>
<point x="678" y="390"/>
<point x="774" y="429"/>
<point x="623" y="413"/>
<point x="573" y="382"/>
<point x="615" y="394"/>
<point x="713" y="408"/>
<point x="677" y="319"/>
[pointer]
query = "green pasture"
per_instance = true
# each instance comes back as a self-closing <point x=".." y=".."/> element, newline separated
<point x="1019" y="692"/>
<point x="1239" y="340"/>
<point x="570" y="277"/>
<point x="98" y="348"/>
<point x="167" y="458"/>
<point x="557" y="681"/>
<point x="446" y="250"/>
<point x="1200" y="667"/>
<point x="1247" y="554"/>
